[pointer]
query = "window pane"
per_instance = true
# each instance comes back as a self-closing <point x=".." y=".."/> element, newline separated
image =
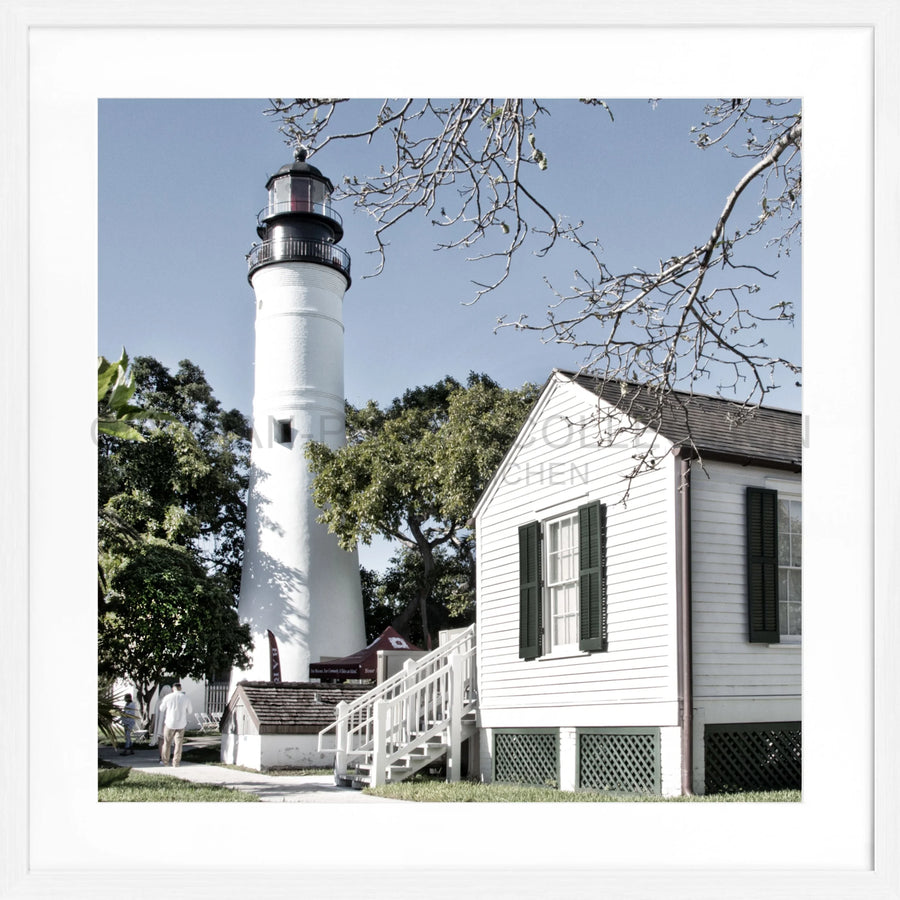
<point x="796" y="549"/>
<point x="300" y="193"/>
<point x="282" y="190"/>
<point x="784" y="516"/>
<point x="794" y="585"/>
<point x="562" y="581"/>
<point x="571" y="629"/>
<point x="784" y="548"/>
<point x="553" y="569"/>
<point x="567" y="565"/>
<point x="552" y="553"/>
<point x="565" y="630"/>
<point x="317" y="192"/>
<point x="790" y="560"/>
<point x="562" y="554"/>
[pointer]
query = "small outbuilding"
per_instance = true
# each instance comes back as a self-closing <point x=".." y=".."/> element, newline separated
<point x="268" y="725"/>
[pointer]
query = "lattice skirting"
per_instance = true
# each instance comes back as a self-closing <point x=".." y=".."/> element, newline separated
<point x="527" y="757"/>
<point x="761" y="756"/>
<point x="619" y="760"/>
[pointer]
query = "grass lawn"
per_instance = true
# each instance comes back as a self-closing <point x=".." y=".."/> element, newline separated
<point x="123" y="785"/>
<point x="430" y="791"/>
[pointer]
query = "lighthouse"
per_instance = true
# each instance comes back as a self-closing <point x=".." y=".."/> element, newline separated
<point x="300" y="592"/>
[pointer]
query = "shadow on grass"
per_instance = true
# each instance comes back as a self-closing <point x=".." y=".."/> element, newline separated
<point x="201" y="754"/>
<point x="106" y="777"/>
<point x="124" y="785"/>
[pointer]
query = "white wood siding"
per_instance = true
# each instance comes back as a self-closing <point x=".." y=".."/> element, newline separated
<point x="554" y="469"/>
<point x="726" y="664"/>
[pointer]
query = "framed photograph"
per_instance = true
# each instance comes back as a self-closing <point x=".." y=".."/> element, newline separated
<point x="61" y="60"/>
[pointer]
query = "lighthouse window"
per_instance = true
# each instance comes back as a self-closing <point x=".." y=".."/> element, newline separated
<point x="283" y="432"/>
<point x="281" y="195"/>
<point x="318" y="194"/>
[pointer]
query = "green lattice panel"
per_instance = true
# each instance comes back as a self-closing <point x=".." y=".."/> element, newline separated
<point x="622" y="762"/>
<point x="526" y="757"/>
<point x="757" y="757"/>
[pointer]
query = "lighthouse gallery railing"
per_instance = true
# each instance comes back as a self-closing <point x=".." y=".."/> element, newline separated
<point x="283" y="207"/>
<point x="291" y="249"/>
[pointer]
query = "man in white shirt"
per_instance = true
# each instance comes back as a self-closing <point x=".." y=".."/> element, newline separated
<point x="175" y="709"/>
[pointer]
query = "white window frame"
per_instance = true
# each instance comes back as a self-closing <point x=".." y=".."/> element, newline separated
<point x="553" y="589"/>
<point x="787" y="638"/>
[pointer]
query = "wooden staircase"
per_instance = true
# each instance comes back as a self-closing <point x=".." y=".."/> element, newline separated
<point x="421" y="757"/>
<point x="412" y="721"/>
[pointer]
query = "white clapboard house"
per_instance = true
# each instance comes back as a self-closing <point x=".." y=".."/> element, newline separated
<point x="632" y="635"/>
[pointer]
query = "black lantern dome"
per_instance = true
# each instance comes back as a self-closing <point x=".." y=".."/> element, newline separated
<point x="298" y="223"/>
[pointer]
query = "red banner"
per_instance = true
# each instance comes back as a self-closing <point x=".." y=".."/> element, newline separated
<point x="274" y="661"/>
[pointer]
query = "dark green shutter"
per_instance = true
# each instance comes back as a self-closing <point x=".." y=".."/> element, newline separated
<point x="530" y="590"/>
<point x="592" y="581"/>
<point x="762" y="565"/>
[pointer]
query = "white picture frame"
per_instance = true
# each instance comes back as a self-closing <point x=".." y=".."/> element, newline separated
<point x="448" y="851"/>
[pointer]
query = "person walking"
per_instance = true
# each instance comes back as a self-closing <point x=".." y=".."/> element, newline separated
<point x="159" y="722"/>
<point x="128" y="719"/>
<point x="175" y="709"/>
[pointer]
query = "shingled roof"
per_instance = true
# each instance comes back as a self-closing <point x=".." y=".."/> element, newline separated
<point x="719" y="428"/>
<point x="297" y="707"/>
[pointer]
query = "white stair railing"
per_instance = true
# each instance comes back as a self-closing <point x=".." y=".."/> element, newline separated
<point x="429" y="697"/>
<point x="432" y="707"/>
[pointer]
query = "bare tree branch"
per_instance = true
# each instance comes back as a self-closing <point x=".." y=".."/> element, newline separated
<point x="694" y="318"/>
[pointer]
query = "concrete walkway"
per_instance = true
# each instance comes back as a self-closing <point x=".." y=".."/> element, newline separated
<point x="269" y="788"/>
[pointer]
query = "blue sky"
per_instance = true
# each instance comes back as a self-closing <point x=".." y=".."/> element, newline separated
<point x="181" y="182"/>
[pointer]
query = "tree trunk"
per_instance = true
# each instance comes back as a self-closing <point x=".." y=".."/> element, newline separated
<point x="145" y="694"/>
<point x="401" y="622"/>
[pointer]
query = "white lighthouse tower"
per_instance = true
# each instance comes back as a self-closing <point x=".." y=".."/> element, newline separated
<point x="300" y="592"/>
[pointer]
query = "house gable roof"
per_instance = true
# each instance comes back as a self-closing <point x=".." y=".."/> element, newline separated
<point x="769" y="437"/>
<point x="718" y="428"/>
<point x="292" y="707"/>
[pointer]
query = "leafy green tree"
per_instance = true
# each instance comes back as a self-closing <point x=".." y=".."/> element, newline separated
<point x="171" y="511"/>
<point x="379" y="607"/>
<point x="185" y="482"/>
<point x="166" y="615"/>
<point x="116" y="414"/>
<point x="412" y="473"/>
<point x="116" y="417"/>
<point x="451" y="586"/>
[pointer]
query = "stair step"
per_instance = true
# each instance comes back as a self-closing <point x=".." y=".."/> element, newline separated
<point x="434" y="739"/>
<point x="405" y="762"/>
<point x="428" y="746"/>
<point x="419" y="758"/>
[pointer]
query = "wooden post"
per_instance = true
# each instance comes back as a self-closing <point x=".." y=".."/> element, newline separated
<point x="378" y="772"/>
<point x="454" y="752"/>
<point x="412" y="718"/>
<point x="342" y="737"/>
